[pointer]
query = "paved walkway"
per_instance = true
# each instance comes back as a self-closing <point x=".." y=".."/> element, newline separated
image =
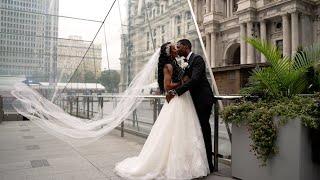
<point x="29" y="153"/>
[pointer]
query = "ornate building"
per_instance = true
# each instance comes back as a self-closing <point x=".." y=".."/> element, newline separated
<point x="224" y="24"/>
<point x="150" y="24"/>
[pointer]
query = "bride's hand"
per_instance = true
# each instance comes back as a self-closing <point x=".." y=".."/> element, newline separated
<point x="169" y="97"/>
<point x="185" y="79"/>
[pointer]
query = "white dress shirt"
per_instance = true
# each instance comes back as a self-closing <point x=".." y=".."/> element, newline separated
<point x="188" y="57"/>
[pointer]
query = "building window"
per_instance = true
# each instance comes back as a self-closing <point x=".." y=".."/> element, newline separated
<point x="188" y="15"/>
<point x="235" y="6"/>
<point x="231" y="75"/>
<point x="279" y="45"/>
<point x="277" y="26"/>
<point x="148" y="40"/>
<point x="178" y="30"/>
<point x="154" y="32"/>
<point x="189" y="25"/>
<point x="178" y="19"/>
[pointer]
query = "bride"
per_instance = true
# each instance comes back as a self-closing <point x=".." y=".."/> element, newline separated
<point x="175" y="148"/>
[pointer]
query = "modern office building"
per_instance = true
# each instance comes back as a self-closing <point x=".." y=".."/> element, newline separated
<point x="28" y="38"/>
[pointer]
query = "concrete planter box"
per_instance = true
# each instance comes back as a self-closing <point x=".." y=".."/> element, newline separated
<point x="12" y="117"/>
<point x="1" y="115"/>
<point x="293" y="162"/>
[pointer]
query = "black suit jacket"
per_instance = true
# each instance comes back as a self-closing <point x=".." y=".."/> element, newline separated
<point x="198" y="85"/>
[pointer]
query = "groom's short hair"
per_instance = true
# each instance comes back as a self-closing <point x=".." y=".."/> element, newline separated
<point x="185" y="42"/>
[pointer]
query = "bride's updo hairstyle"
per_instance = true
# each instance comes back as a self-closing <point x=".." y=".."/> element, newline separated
<point x="164" y="59"/>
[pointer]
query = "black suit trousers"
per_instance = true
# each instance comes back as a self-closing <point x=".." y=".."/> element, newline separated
<point x="204" y="112"/>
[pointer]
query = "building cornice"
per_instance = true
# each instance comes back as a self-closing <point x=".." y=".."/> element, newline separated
<point x="238" y="67"/>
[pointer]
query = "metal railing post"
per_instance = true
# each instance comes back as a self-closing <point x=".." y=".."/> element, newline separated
<point x="155" y="114"/>
<point x="216" y="135"/>
<point x="122" y="124"/>
<point x="159" y="106"/>
<point x="63" y="104"/>
<point x="1" y="109"/>
<point x="133" y="118"/>
<point x="122" y="129"/>
<point x="92" y="106"/>
<point x="88" y="107"/>
<point x="70" y="103"/>
<point x="101" y="106"/>
<point x="77" y="111"/>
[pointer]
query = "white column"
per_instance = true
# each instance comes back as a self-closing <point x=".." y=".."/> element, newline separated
<point x="250" y="49"/>
<point x="228" y="8"/>
<point x="286" y="35"/>
<point x="213" y="5"/>
<point x="208" y="47"/>
<point x="208" y="5"/>
<point x="183" y="32"/>
<point x="194" y="45"/>
<point x="243" y="44"/>
<point x="295" y="32"/>
<point x="173" y="28"/>
<point x="263" y="34"/>
<point x="231" y="7"/>
<point x="195" y="9"/>
<point x="213" y="50"/>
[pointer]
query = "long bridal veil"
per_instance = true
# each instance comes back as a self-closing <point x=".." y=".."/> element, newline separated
<point x="131" y="32"/>
<point x="69" y="128"/>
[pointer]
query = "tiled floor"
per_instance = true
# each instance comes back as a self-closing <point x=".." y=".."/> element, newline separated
<point x="29" y="153"/>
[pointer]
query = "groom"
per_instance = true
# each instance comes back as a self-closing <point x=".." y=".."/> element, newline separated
<point x="200" y="91"/>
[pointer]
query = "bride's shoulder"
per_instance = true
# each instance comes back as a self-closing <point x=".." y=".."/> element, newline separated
<point x="168" y="66"/>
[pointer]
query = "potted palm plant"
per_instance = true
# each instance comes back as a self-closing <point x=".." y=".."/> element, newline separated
<point x="271" y="136"/>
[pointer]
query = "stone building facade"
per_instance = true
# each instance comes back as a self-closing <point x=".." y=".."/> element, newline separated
<point x="70" y="55"/>
<point x="224" y="24"/>
<point x="150" y="24"/>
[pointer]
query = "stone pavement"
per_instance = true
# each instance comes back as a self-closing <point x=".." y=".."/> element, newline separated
<point x="29" y="153"/>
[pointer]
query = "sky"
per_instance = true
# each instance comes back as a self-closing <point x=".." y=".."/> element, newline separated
<point x="95" y="10"/>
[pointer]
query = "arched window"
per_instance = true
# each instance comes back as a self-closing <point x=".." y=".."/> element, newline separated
<point x="188" y="15"/>
<point x="235" y="6"/>
<point x="178" y="19"/>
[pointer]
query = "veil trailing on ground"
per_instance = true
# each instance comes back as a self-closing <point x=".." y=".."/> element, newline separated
<point x="69" y="128"/>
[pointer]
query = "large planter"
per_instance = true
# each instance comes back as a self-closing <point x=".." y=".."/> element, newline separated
<point x="1" y="110"/>
<point x="293" y="162"/>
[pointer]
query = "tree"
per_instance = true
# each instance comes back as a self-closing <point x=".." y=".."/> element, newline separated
<point x="110" y="79"/>
<point x="89" y="77"/>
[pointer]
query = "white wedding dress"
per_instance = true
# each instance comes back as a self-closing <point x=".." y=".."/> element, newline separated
<point x="174" y="149"/>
